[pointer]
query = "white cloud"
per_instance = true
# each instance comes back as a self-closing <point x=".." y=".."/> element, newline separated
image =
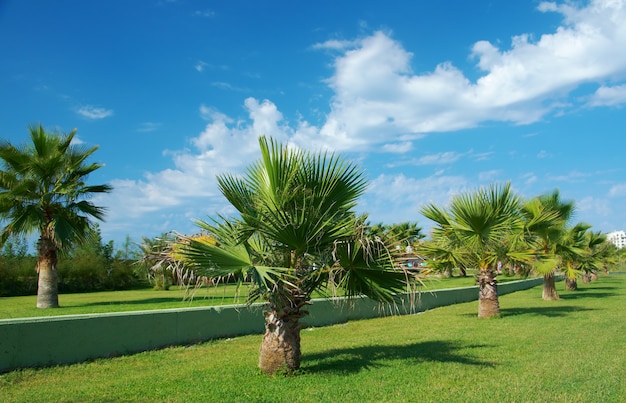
<point x="227" y="86"/>
<point x="608" y="96"/>
<point x="334" y="44"/>
<point x="378" y="96"/>
<point x="529" y="178"/>
<point x="200" y="66"/>
<point x="381" y="104"/>
<point x="77" y="141"/>
<point x="489" y="176"/>
<point x="204" y="13"/>
<point x="440" y="158"/>
<point x="618" y="190"/>
<point x="148" y="127"/>
<point x="398" y="148"/>
<point x="223" y="146"/>
<point x="593" y="205"/>
<point x="482" y="156"/>
<point x="572" y="177"/>
<point x="398" y="198"/>
<point x="92" y="112"/>
<point x="543" y="154"/>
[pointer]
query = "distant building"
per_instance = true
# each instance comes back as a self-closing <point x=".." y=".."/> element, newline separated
<point x="617" y="238"/>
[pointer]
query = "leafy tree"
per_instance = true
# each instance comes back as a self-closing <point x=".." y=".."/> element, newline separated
<point x="296" y="233"/>
<point x="129" y="250"/>
<point x="618" y="256"/>
<point x="43" y="189"/>
<point x="404" y="234"/>
<point x="479" y="229"/>
<point x="15" y="247"/>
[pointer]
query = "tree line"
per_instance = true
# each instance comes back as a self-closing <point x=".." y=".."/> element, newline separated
<point x="296" y="234"/>
<point x="87" y="267"/>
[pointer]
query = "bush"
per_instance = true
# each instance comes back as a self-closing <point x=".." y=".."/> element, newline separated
<point x="83" y="273"/>
<point x="18" y="276"/>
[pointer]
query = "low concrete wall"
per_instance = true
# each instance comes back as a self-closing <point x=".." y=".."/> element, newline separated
<point x="47" y="341"/>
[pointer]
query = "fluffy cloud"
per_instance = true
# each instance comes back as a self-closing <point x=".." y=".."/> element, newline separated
<point x="223" y="146"/>
<point x="609" y="96"/>
<point x="380" y="104"/>
<point x="377" y="96"/>
<point x="92" y="112"/>
<point x="618" y="190"/>
<point x="395" y="198"/>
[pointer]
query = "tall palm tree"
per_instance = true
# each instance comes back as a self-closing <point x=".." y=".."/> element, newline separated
<point x="43" y="189"/>
<point x="481" y="228"/>
<point x="548" y="235"/>
<point x="296" y="233"/>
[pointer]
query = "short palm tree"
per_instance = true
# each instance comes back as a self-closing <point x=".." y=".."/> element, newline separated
<point x="549" y="236"/>
<point x="43" y="189"/>
<point x="296" y="234"/>
<point x="572" y="249"/>
<point x="480" y="228"/>
<point x="598" y="253"/>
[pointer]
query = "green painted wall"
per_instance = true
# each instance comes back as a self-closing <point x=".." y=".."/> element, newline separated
<point x="74" y="338"/>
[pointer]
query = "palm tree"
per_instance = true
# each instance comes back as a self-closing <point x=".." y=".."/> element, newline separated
<point x="598" y="252"/>
<point x="43" y="189"/>
<point x="155" y="260"/>
<point x="548" y="235"/>
<point x="570" y="251"/>
<point x="404" y="234"/>
<point x="479" y="228"/>
<point x="296" y="233"/>
<point x="443" y="253"/>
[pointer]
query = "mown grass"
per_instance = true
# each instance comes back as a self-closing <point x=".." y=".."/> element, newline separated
<point x="571" y="350"/>
<point x="149" y="299"/>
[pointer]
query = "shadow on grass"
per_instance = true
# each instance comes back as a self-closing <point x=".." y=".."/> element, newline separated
<point x="583" y="287"/>
<point x="582" y="294"/>
<point x="352" y="360"/>
<point x="548" y="311"/>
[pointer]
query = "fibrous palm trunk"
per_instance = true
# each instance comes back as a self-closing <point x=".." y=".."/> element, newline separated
<point x="47" y="283"/>
<point x="488" y="304"/>
<point x="549" y="287"/>
<point x="280" y="349"/>
<point x="571" y="284"/>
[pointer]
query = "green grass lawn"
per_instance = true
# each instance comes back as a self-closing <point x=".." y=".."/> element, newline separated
<point x="149" y="299"/>
<point x="571" y="350"/>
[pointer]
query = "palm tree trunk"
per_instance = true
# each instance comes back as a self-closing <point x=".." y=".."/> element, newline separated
<point x="280" y="349"/>
<point x="549" y="287"/>
<point x="571" y="284"/>
<point x="47" y="283"/>
<point x="488" y="304"/>
<point x="594" y="275"/>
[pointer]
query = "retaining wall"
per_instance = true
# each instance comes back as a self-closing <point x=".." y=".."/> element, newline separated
<point x="48" y="341"/>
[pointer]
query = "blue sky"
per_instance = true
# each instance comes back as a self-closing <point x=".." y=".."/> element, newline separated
<point x="430" y="98"/>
